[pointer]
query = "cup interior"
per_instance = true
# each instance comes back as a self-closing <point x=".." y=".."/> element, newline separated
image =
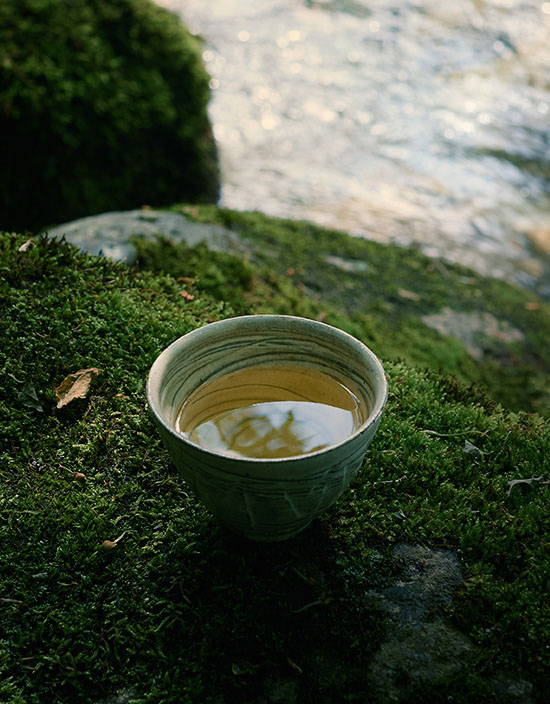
<point x="268" y="341"/>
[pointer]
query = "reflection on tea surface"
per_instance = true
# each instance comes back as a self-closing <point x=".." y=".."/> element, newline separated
<point x="270" y="412"/>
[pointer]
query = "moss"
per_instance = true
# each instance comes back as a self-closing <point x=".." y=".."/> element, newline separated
<point x="222" y="276"/>
<point x="102" y="107"/>
<point x="180" y="611"/>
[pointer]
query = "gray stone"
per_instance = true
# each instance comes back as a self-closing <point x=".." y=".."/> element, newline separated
<point x="426" y="584"/>
<point x="421" y="647"/>
<point x="123" y="696"/>
<point x="508" y="689"/>
<point x="111" y="233"/>
<point x="472" y="327"/>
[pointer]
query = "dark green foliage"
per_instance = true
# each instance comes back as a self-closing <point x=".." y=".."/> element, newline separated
<point x="181" y="612"/>
<point x="102" y="107"/>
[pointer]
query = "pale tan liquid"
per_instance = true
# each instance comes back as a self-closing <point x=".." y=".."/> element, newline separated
<point x="269" y="412"/>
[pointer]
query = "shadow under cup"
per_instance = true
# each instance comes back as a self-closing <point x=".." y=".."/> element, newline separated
<point x="276" y="498"/>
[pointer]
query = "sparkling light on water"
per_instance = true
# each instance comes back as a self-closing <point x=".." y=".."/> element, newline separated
<point x="424" y="122"/>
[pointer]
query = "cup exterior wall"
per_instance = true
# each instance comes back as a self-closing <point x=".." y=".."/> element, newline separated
<point x="264" y="505"/>
<point x="262" y="499"/>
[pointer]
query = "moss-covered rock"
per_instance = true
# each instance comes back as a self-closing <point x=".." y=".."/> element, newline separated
<point x="102" y="106"/>
<point x="172" y="609"/>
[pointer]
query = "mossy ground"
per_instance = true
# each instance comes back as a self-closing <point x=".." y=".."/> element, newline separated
<point x="180" y="611"/>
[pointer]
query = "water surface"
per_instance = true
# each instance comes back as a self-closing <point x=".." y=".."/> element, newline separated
<point x="400" y="121"/>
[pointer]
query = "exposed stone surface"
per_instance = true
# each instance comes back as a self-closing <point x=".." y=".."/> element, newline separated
<point x="420" y="646"/>
<point x="471" y="328"/>
<point x="427" y="583"/>
<point x="346" y="264"/>
<point x="279" y="690"/>
<point x="111" y="233"/>
<point x="123" y="696"/>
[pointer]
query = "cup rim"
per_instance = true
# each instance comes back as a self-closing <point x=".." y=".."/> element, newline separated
<point x="155" y="375"/>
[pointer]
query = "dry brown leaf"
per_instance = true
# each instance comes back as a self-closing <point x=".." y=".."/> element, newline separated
<point x="187" y="296"/>
<point x="111" y="544"/>
<point x="26" y="245"/>
<point x="294" y="666"/>
<point x="75" y="385"/>
<point x="108" y="544"/>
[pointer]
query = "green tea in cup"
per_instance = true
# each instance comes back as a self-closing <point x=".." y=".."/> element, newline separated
<point x="270" y="411"/>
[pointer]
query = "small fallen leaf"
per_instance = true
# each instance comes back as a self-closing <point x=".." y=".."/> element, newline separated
<point x="294" y="666"/>
<point x="532" y="305"/>
<point x="187" y="296"/>
<point x="26" y="245"/>
<point x="290" y="271"/>
<point x="27" y="396"/>
<point x="75" y="385"/>
<point x="79" y="477"/>
<point x="530" y="483"/>
<point x="108" y="544"/>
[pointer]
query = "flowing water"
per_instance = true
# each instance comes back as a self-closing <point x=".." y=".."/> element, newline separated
<point x="420" y="121"/>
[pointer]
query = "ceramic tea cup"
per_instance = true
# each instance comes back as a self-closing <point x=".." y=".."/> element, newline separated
<point x="263" y="498"/>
